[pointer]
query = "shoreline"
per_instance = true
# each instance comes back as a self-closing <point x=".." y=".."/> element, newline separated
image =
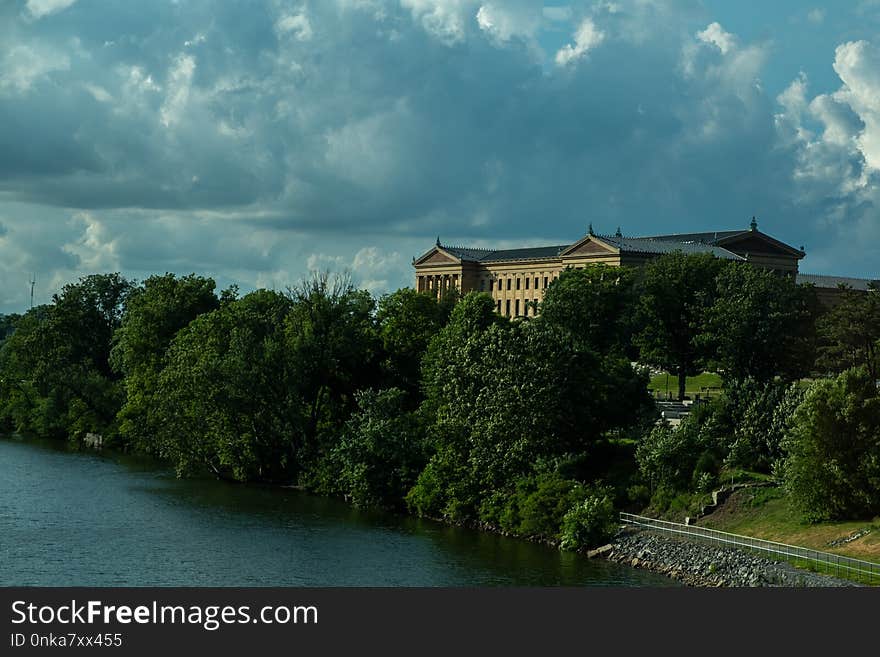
<point x="704" y="565"/>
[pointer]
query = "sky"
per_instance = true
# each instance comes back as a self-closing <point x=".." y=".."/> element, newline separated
<point x="256" y="141"/>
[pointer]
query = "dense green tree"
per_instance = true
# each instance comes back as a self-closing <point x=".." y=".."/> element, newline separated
<point x="761" y="325"/>
<point x="382" y="450"/>
<point x="850" y="333"/>
<point x="676" y="290"/>
<point x="225" y="399"/>
<point x="407" y="321"/>
<point x="333" y="348"/>
<point x="832" y="465"/>
<point x="510" y="398"/>
<point x="155" y="312"/>
<point x="596" y="304"/>
<point x="57" y="361"/>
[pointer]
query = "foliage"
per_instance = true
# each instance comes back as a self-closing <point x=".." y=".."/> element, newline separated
<point x="591" y="522"/>
<point x="596" y="305"/>
<point x="850" y="334"/>
<point x="381" y="451"/>
<point x="832" y="465"/>
<point x="155" y="312"/>
<point x="761" y="325"/>
<point x="57" y="379"/>
<point x="407" y="321"/>
<point x="224" y="400"/>
<point x="675" y="291"/>
<point x="507" y="396"/>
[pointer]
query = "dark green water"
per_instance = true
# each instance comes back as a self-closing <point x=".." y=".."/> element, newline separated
<point x="83" y="519"/>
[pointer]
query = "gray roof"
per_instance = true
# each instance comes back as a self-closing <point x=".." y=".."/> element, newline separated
<point x="499" y="255"/>
<point x="664" y="244"/>
<point x="819" y="280"/>
<point x="700" y="238"/>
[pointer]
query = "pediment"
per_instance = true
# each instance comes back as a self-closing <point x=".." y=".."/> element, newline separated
<point x="589" y="246"/>
<point x="437" y="256"/>
<point x="758" y="242"/>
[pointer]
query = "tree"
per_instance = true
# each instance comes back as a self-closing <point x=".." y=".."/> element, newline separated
<point x="155" y="312"/>
<point x="382" y="450"/>
<point x="832" y="465"/>
<point x="224" y="399"/>
<point x="761" y="325"/>
<point x="333" y="347"/>
<point x="511" y="398"/>
<point x="676" y="291"/>
<point x="596" y="304"/>
<point x="407" y="321"/>
<point x="850" y="333"/>
<point x="57" y="361"/>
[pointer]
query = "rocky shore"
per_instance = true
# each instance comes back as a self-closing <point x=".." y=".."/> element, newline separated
<point x="698" y="564"/>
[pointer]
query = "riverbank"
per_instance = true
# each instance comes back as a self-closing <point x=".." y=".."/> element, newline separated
<point x="697" y="564"/>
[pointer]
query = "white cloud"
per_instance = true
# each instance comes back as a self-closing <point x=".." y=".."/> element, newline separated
<point x="98" y="92"/>
<point x="23" y="65"/>
<point x="180" y="77"/>
<point x="718" y="37"/>
<point x="858" y="65"/>
<point x="505" y="20"/>
<point x="40" y="8"/>
<point x="816" y="16"/>
<point x="94" y="248"/>
<point x="296" y="25"/>
<point x="444" y="19"/>
<point x="587" y="37"/>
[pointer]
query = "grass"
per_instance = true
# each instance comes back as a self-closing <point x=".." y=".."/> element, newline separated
<point x="767" y="513"/>
<point x="693" y="384"/>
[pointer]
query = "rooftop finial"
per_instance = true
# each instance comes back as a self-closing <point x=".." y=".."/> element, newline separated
<point x="590" y="229"/>
<point x="618" y="233"/>
<point x="438" y="240"/>
<point x="754" y="224"/>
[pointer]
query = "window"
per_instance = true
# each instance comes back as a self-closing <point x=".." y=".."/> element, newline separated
<point x="545" y="282"/>
<point x="517" y="282"/>
<point x="536" y="282"/>
<point x="498" y="306"/>
<point x="527" y="283"/>
<point x="508" y="307"/>
<point x="517" y="307"/>
<point x="491" y="285"/>
<point x="482" y="284"/>
<point x="508" y="287"/>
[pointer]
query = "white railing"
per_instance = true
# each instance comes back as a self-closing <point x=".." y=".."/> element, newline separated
<point x="823" y="562"/>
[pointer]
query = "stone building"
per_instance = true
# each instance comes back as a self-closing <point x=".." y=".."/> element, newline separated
<point x="517" y="278"/>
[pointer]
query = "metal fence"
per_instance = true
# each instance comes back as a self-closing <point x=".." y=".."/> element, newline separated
<point x="823" y="562"/>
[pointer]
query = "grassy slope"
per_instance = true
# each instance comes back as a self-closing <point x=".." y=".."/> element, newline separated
<point x="693" y="384"/>
<point x="766" y="513"/>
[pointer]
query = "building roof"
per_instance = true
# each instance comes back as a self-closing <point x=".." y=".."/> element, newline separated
<point x="666" y="244"/>
<point x="500" y="255"/>
<point x="834" y="282"/>
<point x="699" y="238"/>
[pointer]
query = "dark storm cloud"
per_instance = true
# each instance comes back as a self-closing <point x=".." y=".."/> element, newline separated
<point x="249" y="137"/>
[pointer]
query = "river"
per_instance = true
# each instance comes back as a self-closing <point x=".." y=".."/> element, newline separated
<point x="72" y="518"/>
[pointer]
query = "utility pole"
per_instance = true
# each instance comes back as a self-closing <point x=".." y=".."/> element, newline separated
<point x="33" y="282"/>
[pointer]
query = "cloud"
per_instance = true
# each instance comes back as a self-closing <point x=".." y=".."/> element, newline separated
<point x="587" y="37"/>
<point x="718" y="37"/>
<point x="349" y="133"/>
<point x="40" y="8"/>
<point x="180" y="77"/>
<point x="22" y="66"/>
<point x="816" y="16"/>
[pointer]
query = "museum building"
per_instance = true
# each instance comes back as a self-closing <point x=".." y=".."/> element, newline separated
<point x="517" y="278"/>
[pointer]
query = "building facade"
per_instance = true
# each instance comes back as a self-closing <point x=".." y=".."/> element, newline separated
<point x="517" y="278"/>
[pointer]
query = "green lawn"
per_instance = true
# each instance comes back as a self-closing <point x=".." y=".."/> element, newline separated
<point x="693" y="384"/>
<point x="766" y="513"/>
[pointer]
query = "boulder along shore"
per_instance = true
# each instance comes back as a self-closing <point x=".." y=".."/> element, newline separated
<point x="703" y="564"/>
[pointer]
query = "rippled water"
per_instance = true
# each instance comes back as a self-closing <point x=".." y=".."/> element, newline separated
<point x="83" y="519"/>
